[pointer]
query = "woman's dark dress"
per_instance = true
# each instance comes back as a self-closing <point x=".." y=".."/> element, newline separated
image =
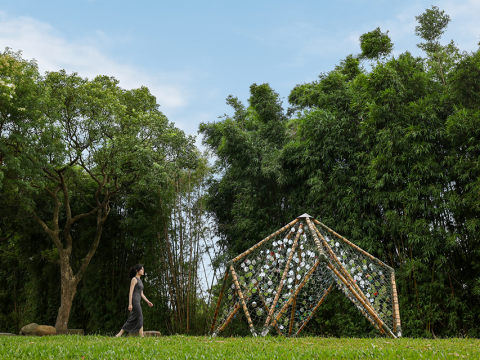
<point x="135" y="319"/>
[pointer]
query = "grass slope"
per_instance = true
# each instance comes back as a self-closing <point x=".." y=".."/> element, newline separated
<point x="185" y="347"/>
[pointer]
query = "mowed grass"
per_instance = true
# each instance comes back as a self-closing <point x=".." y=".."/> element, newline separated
<point x="189" y="347"/>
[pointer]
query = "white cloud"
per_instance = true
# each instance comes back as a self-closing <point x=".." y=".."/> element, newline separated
<point x="53" y="52"/>
<point x="464" y="27"/>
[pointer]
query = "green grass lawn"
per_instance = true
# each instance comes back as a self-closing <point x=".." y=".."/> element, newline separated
<point x="188" y="347"/>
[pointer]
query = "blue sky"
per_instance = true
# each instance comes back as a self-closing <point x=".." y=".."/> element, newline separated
<point x="193" y="54"/>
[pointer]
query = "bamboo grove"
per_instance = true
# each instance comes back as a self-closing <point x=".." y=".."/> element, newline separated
<point x="385" y="149"/>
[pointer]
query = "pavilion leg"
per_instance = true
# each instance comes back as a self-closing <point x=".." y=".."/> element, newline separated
<point x="219" y="302"/>
<point x="229" y="319"/>
<point x="344" y="271"/>
<point x="314" y="309"/>
<point x="280" y="286"/>
<point x="380" y="322"/>
<point x="396" y="311"/>
<point x="292" y="316"/>
<point x="242" y="301"/>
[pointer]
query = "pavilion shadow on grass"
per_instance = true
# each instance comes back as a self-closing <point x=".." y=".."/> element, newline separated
<point x="281" y="281"/>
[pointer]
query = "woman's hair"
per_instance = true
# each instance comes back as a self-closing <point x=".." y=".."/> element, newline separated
<point x="134" y="270"/>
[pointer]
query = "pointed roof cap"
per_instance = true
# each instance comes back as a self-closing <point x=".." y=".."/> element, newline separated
<point x="304" y="215"/>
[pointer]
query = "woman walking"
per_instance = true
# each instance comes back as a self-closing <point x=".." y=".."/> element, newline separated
<point x="134" y="322"/>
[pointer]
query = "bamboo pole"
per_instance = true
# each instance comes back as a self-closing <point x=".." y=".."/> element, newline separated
<point x="396" y="310"/>
<point x="264" y="240"/>
<point x="394" y="316"/>
<point x="284" y="275"/>
<point x="300" y="286"/>
<point x="359" y="298"/>
<point x="294" y="304"/>
<point x="242" y="300"/>
<point x="262" y="299"/>
<point x="314" y="309"/>
<point x="363" y="311"/>
<point x="237" y="307"/>
<point x="229" y="319"/>
<point x="219" y="302"/>
<point x="169" y="286"/>
<point x="172" y="264"/>
<point x="321" y="253"/>
<point x="292" y="316"/>
<point x="366" y="314"/>
<point x="352" y="244"/>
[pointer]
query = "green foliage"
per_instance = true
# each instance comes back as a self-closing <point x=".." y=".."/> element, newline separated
<point x="389" y="159"/>
<point x="464" y="82"/>
<point x="350" y="67"/>
<point x="375" y="45"/>
<point x="432" y="25"/>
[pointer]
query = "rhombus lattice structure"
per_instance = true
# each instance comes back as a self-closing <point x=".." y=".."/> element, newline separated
<point x="280" y="282"/>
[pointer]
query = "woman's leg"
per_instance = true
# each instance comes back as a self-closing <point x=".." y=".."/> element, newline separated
<point x="141" y="331"/>
<point x="120" y="333"/>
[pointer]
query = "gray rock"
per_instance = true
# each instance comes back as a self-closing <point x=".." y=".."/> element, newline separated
<point x="7" y="334"/>
<point x="29" y="329"/>
<point x="45" y="330"/>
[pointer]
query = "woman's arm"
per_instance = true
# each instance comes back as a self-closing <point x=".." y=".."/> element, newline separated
<point x="130" y="295"/>
<point x="145" y="298"/>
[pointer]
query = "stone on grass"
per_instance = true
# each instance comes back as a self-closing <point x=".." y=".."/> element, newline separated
<point x="45" y="330"/>
<point x="7" y="334"/>
<point x="29" y="329"/>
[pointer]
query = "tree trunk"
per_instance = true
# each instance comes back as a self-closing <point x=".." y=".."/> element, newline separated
<point x="68" y="291"/>
<point x="69" y="281"/>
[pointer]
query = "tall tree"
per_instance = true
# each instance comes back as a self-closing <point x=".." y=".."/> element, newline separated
<point x="248" y="201"/>
<point x="89" y="139"/>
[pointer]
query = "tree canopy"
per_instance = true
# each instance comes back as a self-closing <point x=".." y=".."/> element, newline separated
<point x="81" y="141"/>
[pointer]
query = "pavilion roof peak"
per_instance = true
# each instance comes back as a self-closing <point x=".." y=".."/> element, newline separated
<point x="304" y="216"/>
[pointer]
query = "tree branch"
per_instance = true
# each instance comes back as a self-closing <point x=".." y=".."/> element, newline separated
<point x="68" y="225"/>
<point x="101" y="218"/>
<point x="7" y="238"/>
<point x="50" y="233"/>
<point x="51" y="176"/>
